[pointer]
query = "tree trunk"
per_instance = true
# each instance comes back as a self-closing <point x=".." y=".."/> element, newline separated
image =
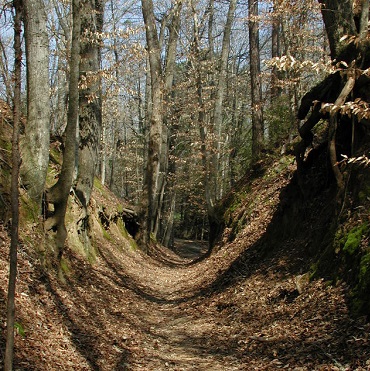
<point x="160" y="88"/>
<point x="333" y="128"/>
<point x="164" y="184"/>
<point x="168" y="235"/>
<point x="9" y="350"/>
<point x="209" y="189"/>
<point x="210" y="134"/>
<point x="103" y="163"/>
<point x="5" y="73"/>
<point x="58" y="194"/>
<point x="256" y="88"/>
<point x="275" y="52"/>
<point x="35" y="145"/>
<point x="155" y="119"/>
<point x="339" y="21"/>
<point x="89" y="99"/>
<point x="220" y="93"/>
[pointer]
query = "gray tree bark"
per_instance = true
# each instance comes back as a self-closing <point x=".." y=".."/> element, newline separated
<point x="256" y="87"/>
<point x="35" y="144"/>
<point x="59" y="193"/>
<point x="220" y="91"/>
<point x="209" y="132"/>
<point x="155" y="119"/>
<point x="275" y="52"/>
<point x="9" y="349"/>
<point x="90" y="106"/>
<point x="164" y="217"/>
<point x="161" y="81"/>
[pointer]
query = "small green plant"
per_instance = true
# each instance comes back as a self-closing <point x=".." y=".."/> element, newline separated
<point x="19" y="329"/>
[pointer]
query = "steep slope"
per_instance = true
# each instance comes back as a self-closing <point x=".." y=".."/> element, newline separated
<point x="249" y="305"/>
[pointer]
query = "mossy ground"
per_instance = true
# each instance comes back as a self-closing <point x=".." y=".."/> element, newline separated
<point x="347" y="256"/>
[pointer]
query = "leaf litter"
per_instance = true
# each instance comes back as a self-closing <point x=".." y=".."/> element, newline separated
<point x="238" y="309"/>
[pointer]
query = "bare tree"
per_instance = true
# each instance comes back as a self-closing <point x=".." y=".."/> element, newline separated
<point x="9" y="350"/>
<point x="155" y="125"/>
<point x="275" y="52"/>
<point x="210" y="121"/>
<point x="35" y="144"/>
<point x="160" y="82"/>
<point x="89" y="98"/>
<point x="90" y="106"/>
<point x="59" y="193"/>
<point x="339" y="21"/>
<point x="256" y="86"/>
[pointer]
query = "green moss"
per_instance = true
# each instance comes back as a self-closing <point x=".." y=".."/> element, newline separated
<point x="91" y="256"/>
<point x="127" y="236"/>
<point x="354" y="238"/>
<point x="7" y="146"/>
<point x="360" y="300"/>
<point x="237" y="201"/>
<point x="29" y="210"/>
<point x="55" y="155"/>
<point x="364" y="275"/>
<point x="6" y="172"/>
<point x="356" y="305"/>
<point x="64" y="266"/>
<point x="153" y="238"/>
<point x="51" y="176"/>
<point x="283" y="164"/>
<point x="106" y="235"/>
<point x="98" y="185"/>
<point x="122" y="228"/>
<point x="360" y="295"/>
<point x="133" y="244"/>
<point x="20" y="329"/>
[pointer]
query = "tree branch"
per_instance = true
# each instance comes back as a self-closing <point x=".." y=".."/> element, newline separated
<point x="348" y="87"/>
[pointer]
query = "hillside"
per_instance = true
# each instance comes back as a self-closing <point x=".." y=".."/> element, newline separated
<point x="259" y="301"/>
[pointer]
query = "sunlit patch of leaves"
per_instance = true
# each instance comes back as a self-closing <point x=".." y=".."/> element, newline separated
<point x="358" y="108"/>
<point x="289" y="63"/>
<point x="361" y="160"/>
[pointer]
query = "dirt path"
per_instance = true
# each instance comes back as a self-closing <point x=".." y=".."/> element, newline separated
<point x="238" y="309"/>
<point x="180" y="337"/>
<point x="187" y="320"/>
<point x="190" y="249"/>
<point x="132" y="312"/>
<point x="176" y="336"/>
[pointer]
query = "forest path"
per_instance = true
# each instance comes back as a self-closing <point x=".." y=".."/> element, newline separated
<point x="132" y="312"/>
<point x="197" y="315"/>
<point x="190" y="249"/>
<point x="175" y="333"/>
<point x="237" y="309"/>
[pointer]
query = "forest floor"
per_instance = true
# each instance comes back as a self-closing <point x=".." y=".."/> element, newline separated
<point x="238" y="309"/>
<point x="128" y="312"/>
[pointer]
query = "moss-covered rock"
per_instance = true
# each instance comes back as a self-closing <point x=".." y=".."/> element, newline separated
<point x="364" y="276"/>
<point x="360" y="295"/>
<point x="353" y="253"/>
<point x="354" y="237"/>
